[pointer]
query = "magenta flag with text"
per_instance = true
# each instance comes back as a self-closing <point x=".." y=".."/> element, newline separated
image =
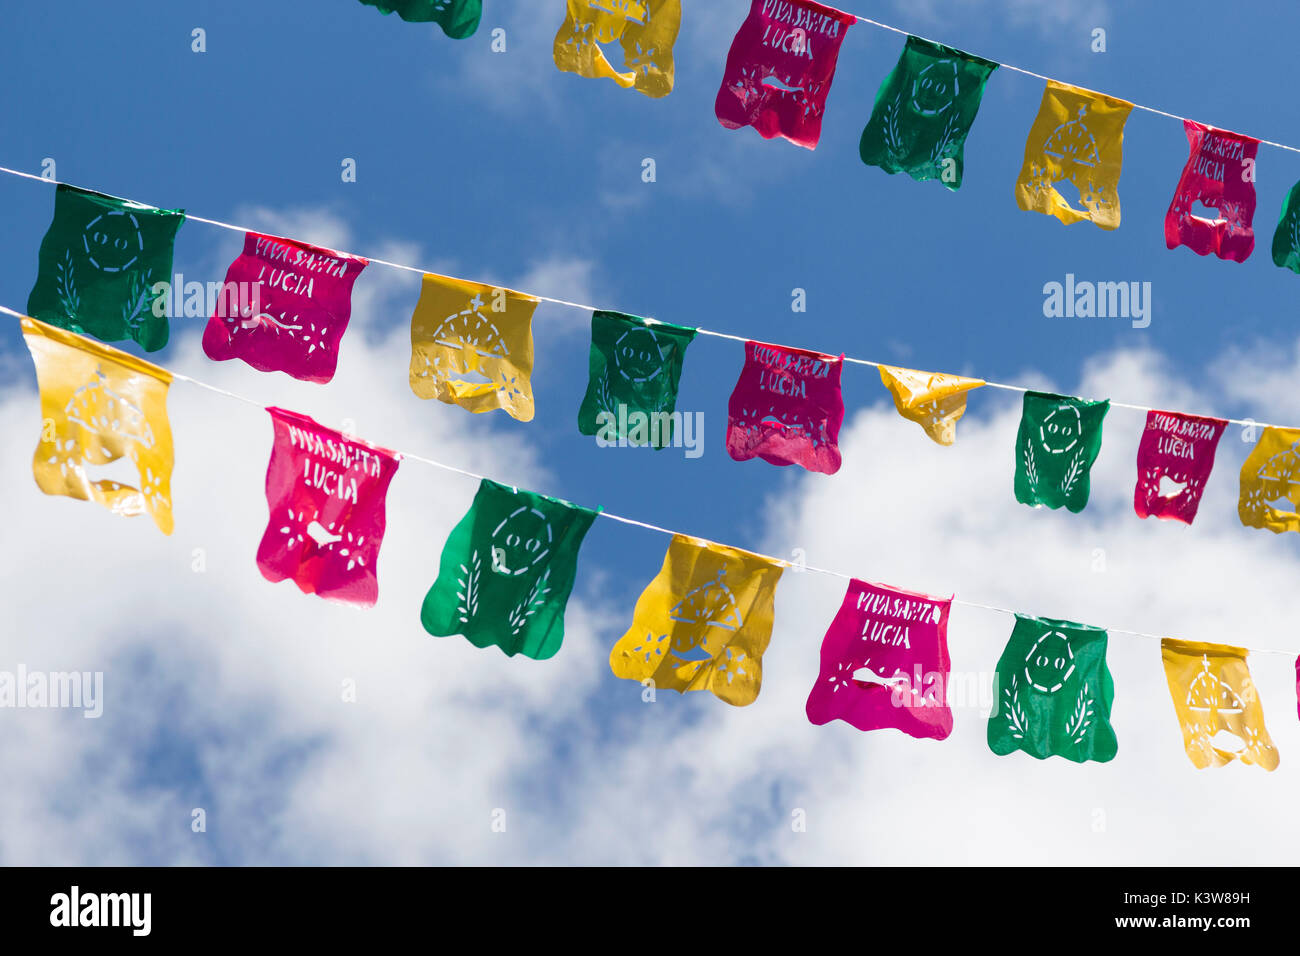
<point x="1220" y="176"/>
<point x="326" y="492"/>
<point x="885" y="663"/>
<point x="780" y="68"/>
<point x="787" y="408"/>
<point x="284" y="308"/>
<point x="1175" y="458"/>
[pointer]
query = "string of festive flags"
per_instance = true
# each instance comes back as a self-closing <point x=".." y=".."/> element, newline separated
<point x="703" y="623"/>
<point x="779" y="72"/>
<point x="106" y="264"/>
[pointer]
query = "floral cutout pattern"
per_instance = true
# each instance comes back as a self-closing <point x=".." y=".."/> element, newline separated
<point x="507" y="570"/>
<point x="703" y="623"/>
<point x="1219" y="175"/>
<point x="1058" y="442"/>
<point x="326" y="492"/>
<point x="472" y="346"/>
<point x="924" y="111"/>
<point x="1270" y="482"/>
<point x="99" y="406"/>
<point x="1217" y="704"/>
<point x="933" y="400"/>
<point x="99" y="263"/>
<point x="780" y="67"/>
<point x="1054" y="693"/>
<point x="1077" y="137"/>
<point x="885" y="663"/>
<point x="1174" y="461"/>
<point x="645" y="29"/>
<point x="787" y="408"/>
<point x="291" y="302"/>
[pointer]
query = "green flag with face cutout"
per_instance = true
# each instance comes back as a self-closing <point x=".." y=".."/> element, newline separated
<point x="633" y="373"/>
<point x="458" y="18"/>
<point x="507" y="570"/>
<point x="1058" y="442"/>
<point x="1054" y="693"/>
<point x="99" y="263"/>
<point x="924" y="111"/>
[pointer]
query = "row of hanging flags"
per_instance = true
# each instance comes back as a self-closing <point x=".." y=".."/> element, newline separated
<point x="285" y="305"/>
<point x="778" y="75"/>
<point x="703" y="622"/>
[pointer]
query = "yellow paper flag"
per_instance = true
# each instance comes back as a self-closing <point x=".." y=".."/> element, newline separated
<point x="646" y="29"/>
<point x="100" y="405"/>
<point x="1270" y="482"/>
<point x="932" y="400"/>
<point x="1077" y="137"/>
<point x="472" y="346"/>
<point x="1217" y="705"/>
<point x="703" y="623"/>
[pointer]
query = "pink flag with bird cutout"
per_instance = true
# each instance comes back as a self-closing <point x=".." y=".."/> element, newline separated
<point x="1220" y="174"/>
<point x="787" y="408"/>
<point x="885" y="663"/>
<point x="326" y="492"/>
<point x="284" y="308"/>
<point x="780" y="68"/>
<point x="1174" y="461"/>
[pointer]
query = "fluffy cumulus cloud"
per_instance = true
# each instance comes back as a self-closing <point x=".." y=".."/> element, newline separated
<point x="225" y="693"/>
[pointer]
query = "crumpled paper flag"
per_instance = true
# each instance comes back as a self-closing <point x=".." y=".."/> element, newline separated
<point x="100" y="405"/>
<point x="458" y="18"/>
<point x="1270" y="482"/>
<point x="1058" y="442"/>
<point x="645" y="29"/>
<point x="1175" y="458"/>
<point x="1217" y="704"/>
<point x="1220" y="175"/>
<point x="933" y="400"/>
<point x="703" y="623"/>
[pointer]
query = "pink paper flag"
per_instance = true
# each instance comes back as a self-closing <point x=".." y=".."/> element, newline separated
<point x="780" y="69"/>
<point x="787" y="408"/>
<point x="326" y="492"/>
<point x="284" y="308"/>
<point x="1220" y="174"/>
<point x="885" y="663"/>
<point x="1174" y="461"/>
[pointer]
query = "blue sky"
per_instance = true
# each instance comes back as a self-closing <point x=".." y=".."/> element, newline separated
<point x="499" y="167"/>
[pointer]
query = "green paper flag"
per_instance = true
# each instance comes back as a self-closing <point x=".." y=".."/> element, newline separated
<point x="634" y="369"/>
<point x="924" y="111"/>
<point x="1054" y="693"/>
<point x="458" y="18"/>
<point x="99" y="262"/>
<point x="507" y="570"/>
<point x="1286" y="238"/>
<point x="1058" y="441"/>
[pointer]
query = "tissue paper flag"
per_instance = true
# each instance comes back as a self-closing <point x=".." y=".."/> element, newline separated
<point x="702" y="623"/>
<point x="507" y="570"/>
<point x="934" y="401"/>
<point x="1058" y="442"/>
<point x="1078" y="137"/>
<point x="326" y="492"/>
<point x="787" y="408"/>
<point x="1270" y="482"/>
<point x="1217" y="705"/>
<point x="284" y="307"/>
<point x="633" y="372"/>
<point x="458" y="18"/>
<point x="1220" y="175"/>
<point x="99" y="264"/>
<point x="98" y="406"/>
<point x="780" y="67"/>
<point x="884" y="663"/>
<point x="924" y="111"/>
<point x="472" y="346"/>
<point x="1054" y="693"/>
<point x="1174" y="462"/>
<point x="645" y="29"/>
<point x="1286" y="238"/>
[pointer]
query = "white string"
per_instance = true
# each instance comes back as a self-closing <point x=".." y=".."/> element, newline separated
<point x="632" y="521"/>
<point x="1245" y="422"/>
<point x="1048" y="79"/>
